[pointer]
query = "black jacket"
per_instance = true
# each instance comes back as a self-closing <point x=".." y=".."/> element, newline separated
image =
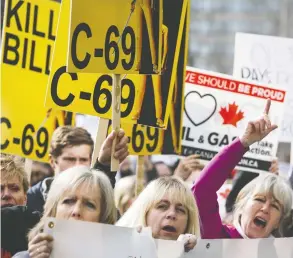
<point x="37" y="194"/>
<point x="15" y="223"/>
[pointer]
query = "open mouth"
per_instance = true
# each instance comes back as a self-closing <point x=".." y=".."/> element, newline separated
<point x="169" y="229"/>
<point x="260" y="222"/>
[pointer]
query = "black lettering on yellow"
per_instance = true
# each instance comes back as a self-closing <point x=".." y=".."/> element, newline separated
<point x="154" y="137"/>
<point x="137" y="139"/>
<point x="32" y="66"/>
<point x="80" y="63"/>
<point x="27" y="20"/>
<point x="104" y="92"/>
<point x="6" y="121"/>
<point x="111" y="47"/>
<point x="12" y="12"/>
<point x="9" y="47"/>
<point x="47" y="70"/>
<point x="27" y="141"/>
<point x="35" y="23"/>
<point x="54" y="88"/>
<point x="25" y="45"/>
<point x="51" y="36"/>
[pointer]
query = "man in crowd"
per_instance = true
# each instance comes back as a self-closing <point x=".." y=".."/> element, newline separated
<point x="73" y="146"/>
<point x="40" y="171"/>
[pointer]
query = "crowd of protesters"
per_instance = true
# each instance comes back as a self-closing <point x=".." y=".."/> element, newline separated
<point x="178" y="202"/>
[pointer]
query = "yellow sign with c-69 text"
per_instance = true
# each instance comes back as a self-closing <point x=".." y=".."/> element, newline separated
<point x="114" y="36"/>
<point x="144" y="99"/>
<point x="27" y="45"/>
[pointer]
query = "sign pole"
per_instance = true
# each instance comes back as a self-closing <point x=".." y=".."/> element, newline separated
<point x="116" y="116"/>
<point x="100" y="138"/>
<point x="139" y="175"/>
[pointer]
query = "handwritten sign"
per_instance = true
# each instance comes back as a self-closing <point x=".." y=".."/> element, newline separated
<point x="268" y="60"/>
<point x="217" y="110"/>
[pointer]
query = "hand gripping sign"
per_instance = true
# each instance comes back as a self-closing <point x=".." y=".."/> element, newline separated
<point x="27" y="45"/>
<point x="217" y="110"/>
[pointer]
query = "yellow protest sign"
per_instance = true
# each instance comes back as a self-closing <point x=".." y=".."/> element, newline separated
<point x="91" y="93"/>
<point x="27" y="45"/>
<point x="115" y="36"/>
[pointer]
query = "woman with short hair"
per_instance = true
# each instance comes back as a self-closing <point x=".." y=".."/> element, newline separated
<point x="169" y="208"/>
<point x="78" y="193"/>
<point x="263" y="206"/>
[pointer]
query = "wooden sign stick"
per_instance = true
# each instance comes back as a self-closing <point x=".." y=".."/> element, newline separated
<point x="116" y="116"/>
<point x="100" y="138"/>
<point x="139" y="175"/>
<point x="28" y="164"/>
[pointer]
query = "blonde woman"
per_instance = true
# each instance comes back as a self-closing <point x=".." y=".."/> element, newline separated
<point x="262" y="207"/>
<point x="169" y="208"/>
<point x="124" y="193"/>
<point x="78" y="193"/>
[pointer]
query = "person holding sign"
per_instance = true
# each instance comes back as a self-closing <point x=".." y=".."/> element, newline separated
<point x="78" y="193"/>
<point x="72" y="146"/>
<point x="168" y="207"/>
<point x="262" y="207"/>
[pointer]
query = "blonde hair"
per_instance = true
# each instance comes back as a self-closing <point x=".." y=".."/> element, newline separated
<point x="153" y="194"/>
<point x="70" y="180"/>
<point x="267" y="184"/>
<point x="11" y="167"/>
<point x="124" y="192"/>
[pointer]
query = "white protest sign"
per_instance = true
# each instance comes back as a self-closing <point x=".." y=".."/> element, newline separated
<point x="268" y="60"/>
<point x="75" y="239"/>
<point x="243" y="248"/>
<point x="291" y="161"/>
<point x="217" y="109"/>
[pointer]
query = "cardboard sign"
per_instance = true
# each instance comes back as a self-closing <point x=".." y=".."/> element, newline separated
<point x="268" y="60"/>
<point x="27" y="45"/>
<point x="115" y="36"/>
<point x="218" y="108"/>
<point x="146" y="99"/>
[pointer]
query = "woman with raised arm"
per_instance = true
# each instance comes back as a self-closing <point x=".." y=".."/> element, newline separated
<point x="262" y="207"/>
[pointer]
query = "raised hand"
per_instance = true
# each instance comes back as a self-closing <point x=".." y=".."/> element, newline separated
<point x="187" y="165"/>
<point x="121" y="148"/>
<point x="258" y="129"/>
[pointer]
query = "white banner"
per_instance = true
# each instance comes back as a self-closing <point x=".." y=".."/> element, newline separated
<point x="76" y="239"/>
<point x="217" y="110"/>
<point x="268" y="60"/>
<point x="243" y="248"/>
